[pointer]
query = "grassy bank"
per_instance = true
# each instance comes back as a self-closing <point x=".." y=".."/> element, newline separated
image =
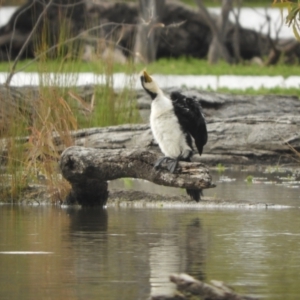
<point x="180" y="66"/>
<point x="57" y="111"/>
<point x="30" y="164"/>
<point x="32" y="161"/>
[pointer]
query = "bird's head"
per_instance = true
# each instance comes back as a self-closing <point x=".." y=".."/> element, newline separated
<point x="149" y="85"/>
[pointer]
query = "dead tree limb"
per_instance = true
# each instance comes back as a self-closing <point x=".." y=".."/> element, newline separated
<point x="88" y="169"/>
<point x="190" y="288"/>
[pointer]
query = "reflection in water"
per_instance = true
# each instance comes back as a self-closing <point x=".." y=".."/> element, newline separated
<point x="195" y="249"/>
<point x="88" y="219"/>
<point x="127" y="253"/>
<point x="88" y="241"/>
<point x="174" y="254"/>
<point x="163" y="260"/>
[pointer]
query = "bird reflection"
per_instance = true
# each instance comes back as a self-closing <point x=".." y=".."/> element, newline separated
<point x="173" y="253"/>
<point x="195" y="250"/>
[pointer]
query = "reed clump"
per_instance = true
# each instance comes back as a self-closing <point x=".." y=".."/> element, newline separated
<point x="31" y="147"/>
<point x="32" y="143"/>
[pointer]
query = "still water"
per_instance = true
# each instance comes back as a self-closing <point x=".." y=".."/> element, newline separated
<point x="129" y="252"/>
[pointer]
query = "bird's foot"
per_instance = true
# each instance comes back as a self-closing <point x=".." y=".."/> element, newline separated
<point x="171" y="163"/>
<point x="160" y="161"/>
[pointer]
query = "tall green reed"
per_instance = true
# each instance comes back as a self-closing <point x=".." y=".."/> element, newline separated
<point x="34" y="143"/>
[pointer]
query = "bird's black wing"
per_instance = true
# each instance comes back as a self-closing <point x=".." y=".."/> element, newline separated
<point x="189" y="113"/>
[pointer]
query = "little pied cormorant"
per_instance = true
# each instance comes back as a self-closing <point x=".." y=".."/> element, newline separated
<point x="174" y="121"/>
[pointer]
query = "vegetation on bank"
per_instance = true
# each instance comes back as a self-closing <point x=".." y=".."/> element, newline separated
<point x="180" y="66"/>
<point x="32" y="161"/>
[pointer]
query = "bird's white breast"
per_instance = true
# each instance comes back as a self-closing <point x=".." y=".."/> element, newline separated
<point x="166" y="129"/>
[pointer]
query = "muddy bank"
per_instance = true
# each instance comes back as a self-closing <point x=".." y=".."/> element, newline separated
<point x="144" y="199"/>
<point x="38" y="195"/>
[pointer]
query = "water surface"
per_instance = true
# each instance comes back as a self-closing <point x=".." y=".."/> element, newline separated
<point x="71" y="253"/>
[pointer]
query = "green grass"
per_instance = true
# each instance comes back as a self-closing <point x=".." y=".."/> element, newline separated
<point x="192" y="66"/>
<point x="220" y="168"/>
<point x="181" y="66"/>
<point x="57" y="111"/>
<point x="249" y="178"/>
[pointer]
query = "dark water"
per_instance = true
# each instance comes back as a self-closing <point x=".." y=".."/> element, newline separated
<point x="128" y="253"/>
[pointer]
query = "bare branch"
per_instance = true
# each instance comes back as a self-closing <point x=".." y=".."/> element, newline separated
<point x="70" y="40"/>
<point x="12" y="72"/>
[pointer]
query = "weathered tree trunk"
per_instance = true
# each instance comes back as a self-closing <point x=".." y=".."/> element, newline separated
<point x="190" y="288"/>
<point x="236" y="35"/>
<point x="88" y="169"/>
<point x="146" y="39"/>
<point x="217" y="47"/>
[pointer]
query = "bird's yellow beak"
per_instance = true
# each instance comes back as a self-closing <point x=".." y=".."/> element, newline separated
<point x="148" y="79"/>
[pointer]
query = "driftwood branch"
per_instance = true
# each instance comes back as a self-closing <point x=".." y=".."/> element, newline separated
<point x="88" y="169"/>
<point x="190" y="288"/>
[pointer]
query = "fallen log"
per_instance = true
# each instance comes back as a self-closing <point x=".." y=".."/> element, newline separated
<point x="191" y="288"/>
<point x="241" y="129"/>
<point x="89" y="169"/>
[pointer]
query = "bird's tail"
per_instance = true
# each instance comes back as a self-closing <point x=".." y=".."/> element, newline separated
<point x="195" y="194"/>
